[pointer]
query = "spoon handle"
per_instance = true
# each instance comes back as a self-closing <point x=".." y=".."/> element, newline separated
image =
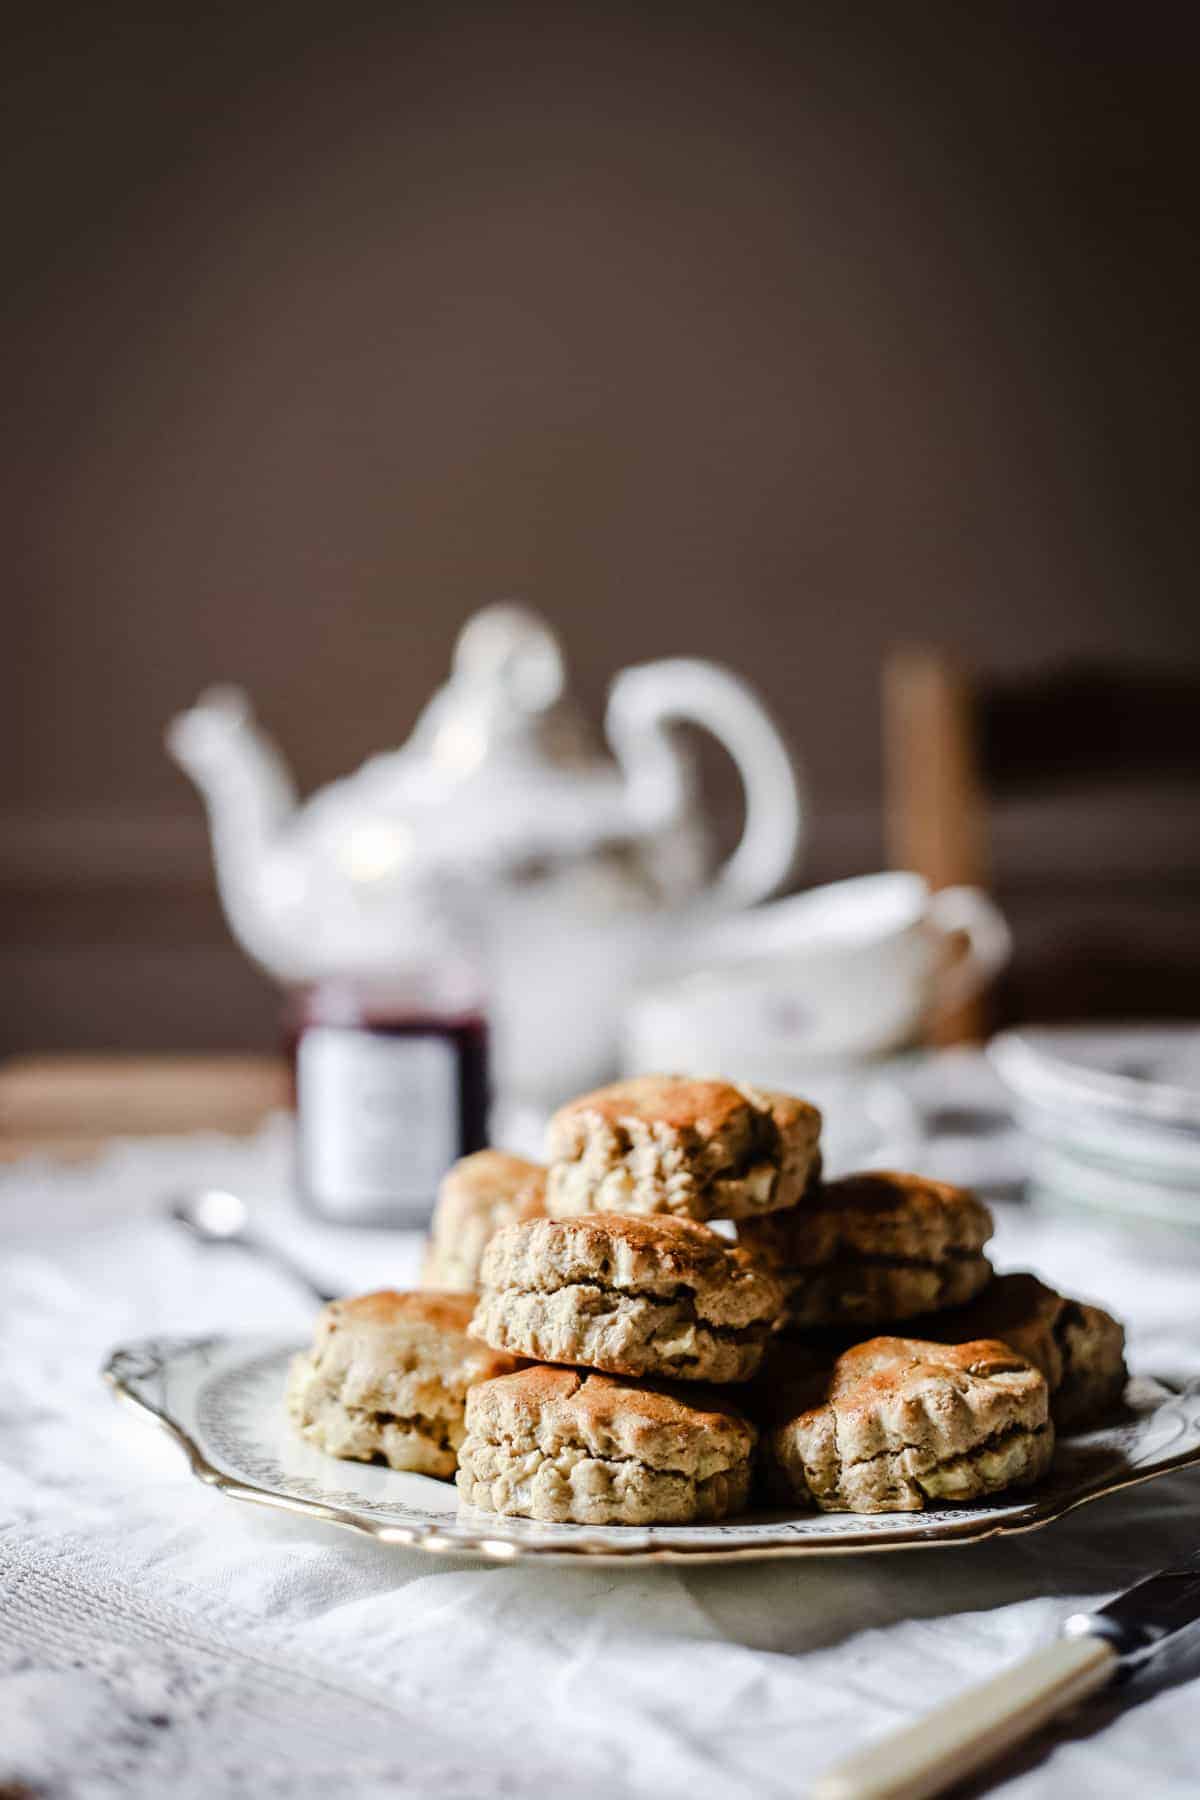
<point x="257" y="1246"/>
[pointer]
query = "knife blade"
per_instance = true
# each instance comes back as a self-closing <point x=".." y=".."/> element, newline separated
<point x="1140" y="1621"/>
<point x="1093" y="1649"/>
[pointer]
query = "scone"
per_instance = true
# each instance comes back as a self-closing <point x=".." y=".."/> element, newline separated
<point x="387" y="1377"/>
<point x="563" y="1445"/>
<point x="478" y="1195"/>
<point x="695" y="1149"/>
<point x="897" y="1423"/>
<point x="659" y="1297"/>
<point x="874" y="1248"/>
<point x="1079" y="1348"/>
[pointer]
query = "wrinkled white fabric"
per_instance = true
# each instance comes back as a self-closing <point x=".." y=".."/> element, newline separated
<point x="157" y="1638"/>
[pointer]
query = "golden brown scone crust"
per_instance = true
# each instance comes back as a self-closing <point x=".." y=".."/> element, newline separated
<point x="659" y="1297"/>
<point x="477" y="1196"/>
<point x="667" y="1144"/>
<point x="1080" y="1349"/>
<point x="706" y="1111"/>
<point x="654" y="1256"/>
<point x="560" y="1444"/>
<point x="896" y="1423"/>
<point x="387" y="1378"/>
<point x="873" y="1248"/>
<point x="393" y="1309"/>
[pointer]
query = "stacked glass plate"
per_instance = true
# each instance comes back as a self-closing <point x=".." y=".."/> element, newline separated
<point x="1113" y="1115"/>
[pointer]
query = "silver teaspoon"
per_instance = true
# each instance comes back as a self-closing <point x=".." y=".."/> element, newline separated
<point x="214" y="1216"/>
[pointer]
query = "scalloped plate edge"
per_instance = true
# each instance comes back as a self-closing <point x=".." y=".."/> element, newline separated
<point x="432" y="1541"/>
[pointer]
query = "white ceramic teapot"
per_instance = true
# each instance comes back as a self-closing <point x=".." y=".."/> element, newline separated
<point x="581" y="863"/>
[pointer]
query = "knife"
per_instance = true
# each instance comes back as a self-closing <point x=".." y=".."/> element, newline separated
<point x="1093" y="1650"/>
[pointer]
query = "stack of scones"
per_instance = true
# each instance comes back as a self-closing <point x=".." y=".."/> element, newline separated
<point x="677" y="1310"/>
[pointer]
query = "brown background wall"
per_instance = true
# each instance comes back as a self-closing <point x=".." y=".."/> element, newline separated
<point x="761" y="336"/>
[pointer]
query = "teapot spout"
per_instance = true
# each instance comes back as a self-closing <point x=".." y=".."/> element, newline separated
<point x="235" y="765"/>
<point x="250" y="796"/>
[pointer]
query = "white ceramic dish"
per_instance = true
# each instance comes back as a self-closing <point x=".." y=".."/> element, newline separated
<point x="826" y="978"/>
<point x="221" y="1399"/>
<point x="1113" y="1115"/>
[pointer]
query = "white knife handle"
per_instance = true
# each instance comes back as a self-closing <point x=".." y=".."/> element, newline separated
<point x="959" y="1737"/>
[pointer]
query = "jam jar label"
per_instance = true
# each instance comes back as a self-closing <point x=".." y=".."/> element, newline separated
<point x="378" y="1120"/>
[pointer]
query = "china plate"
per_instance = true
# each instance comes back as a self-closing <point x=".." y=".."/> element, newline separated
<point x="221" y="1399"/>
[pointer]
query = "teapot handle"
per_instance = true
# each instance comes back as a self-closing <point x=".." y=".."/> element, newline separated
<point x="645" y="701"/>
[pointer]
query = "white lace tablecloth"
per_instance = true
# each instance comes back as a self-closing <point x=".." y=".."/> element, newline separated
<point x="157" y="1638"/>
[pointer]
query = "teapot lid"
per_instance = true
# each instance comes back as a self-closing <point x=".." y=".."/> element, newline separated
<point x="505" y="699"/>
<point x="501" y="765"/>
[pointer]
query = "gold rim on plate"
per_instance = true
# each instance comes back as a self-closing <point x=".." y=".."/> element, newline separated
<point x="436" y="1541"/>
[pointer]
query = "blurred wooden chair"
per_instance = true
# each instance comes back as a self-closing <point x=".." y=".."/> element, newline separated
<point x="68" y="1106"/>
<point x="954" y="744"/>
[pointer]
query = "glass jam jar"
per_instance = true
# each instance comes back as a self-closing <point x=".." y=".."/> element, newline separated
<point x="390" y="1080"/>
